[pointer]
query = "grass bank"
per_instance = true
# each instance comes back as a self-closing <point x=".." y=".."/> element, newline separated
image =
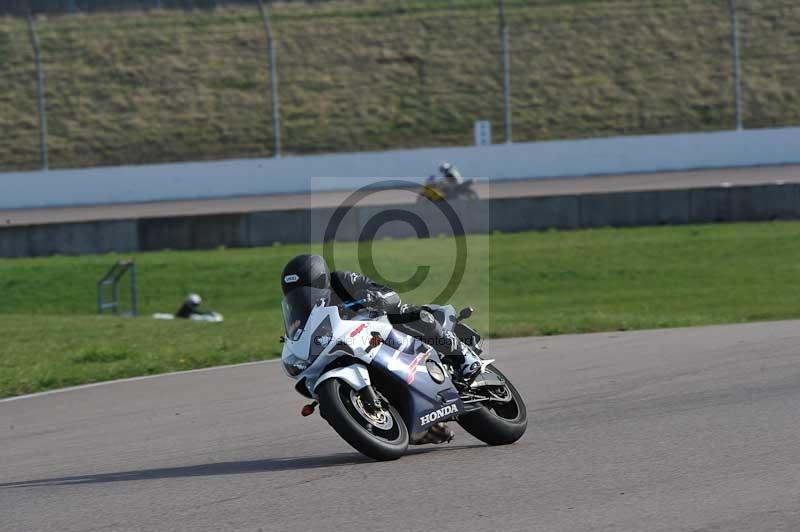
<point x="168" y="85"/>
<point x="521" y="284"/>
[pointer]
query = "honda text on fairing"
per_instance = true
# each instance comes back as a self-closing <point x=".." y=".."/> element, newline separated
<point x="381" y="389"/>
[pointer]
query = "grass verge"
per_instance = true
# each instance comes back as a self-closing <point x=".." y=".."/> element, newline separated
<point x="526" y="284"/>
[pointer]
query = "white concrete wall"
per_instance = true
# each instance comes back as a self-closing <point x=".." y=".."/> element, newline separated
<point x="293" y="174"/>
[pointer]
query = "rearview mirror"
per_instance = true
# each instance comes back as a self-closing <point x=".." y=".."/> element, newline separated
<point x="465" y="313"/>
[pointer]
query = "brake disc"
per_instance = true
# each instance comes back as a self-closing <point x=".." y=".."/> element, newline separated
<point x="382" y="419"/>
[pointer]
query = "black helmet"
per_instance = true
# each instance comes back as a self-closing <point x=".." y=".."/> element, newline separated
<point x="305" y="270"/>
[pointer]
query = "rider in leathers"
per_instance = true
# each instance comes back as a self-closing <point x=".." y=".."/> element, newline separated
<point x="349" y="287"/>
<point x="358" y="290"/>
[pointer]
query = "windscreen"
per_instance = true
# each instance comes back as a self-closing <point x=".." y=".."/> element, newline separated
<point x="297" y="307"/>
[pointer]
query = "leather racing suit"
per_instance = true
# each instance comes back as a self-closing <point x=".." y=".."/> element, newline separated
<point x="350" y="287"/>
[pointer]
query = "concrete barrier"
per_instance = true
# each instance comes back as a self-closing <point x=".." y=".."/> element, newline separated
<point x="709" y="205"/>
<point x="746" y="203"/>
<point x="165" y="233"/>
<point x="288" y="227"/>
<point x="214" y="179"/>
<point x="194" y="232"/>
<point x="524" y="214"/>
<point x="784" y="201"/>
<point x="228" y="230"/>
<point x="617" y="209"/>
<point x="120" y="236"/>
<point x="673" y="207"/>
<point x="343" y="223"/>
<point x="763" y="203"/>
<point x="69" y="239"/>
<point x="14" y="242"/>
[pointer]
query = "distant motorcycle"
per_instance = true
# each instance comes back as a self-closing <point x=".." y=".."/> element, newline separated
<point x="382" y="390"/>
<point x="440" y="189"/>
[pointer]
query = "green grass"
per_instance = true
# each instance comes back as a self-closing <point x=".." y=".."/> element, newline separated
<point x="521" y="284"/>
<point x="379" y="74"/>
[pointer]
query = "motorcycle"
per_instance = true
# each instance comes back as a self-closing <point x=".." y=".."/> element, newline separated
<point x="381" y="389"/>
<point x="439" y="190"/>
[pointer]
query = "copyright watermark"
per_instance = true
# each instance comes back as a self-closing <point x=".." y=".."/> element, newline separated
<point x="427" y="248"/>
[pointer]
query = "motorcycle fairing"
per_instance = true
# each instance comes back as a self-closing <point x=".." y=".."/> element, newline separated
<point x="403" y="358"/>
<point x="400" y="357"/>
<point x="340" y="330"/>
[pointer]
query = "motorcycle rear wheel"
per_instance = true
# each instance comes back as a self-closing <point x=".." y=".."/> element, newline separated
<point x="381" y="437"/>
<point x="498" y="423"/>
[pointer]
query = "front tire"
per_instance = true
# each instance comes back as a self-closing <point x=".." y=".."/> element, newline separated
<point x="498" y="423"/>
<point x="383" y="437"/>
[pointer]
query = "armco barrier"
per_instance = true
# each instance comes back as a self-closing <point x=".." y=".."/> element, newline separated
<point x="617" y="209"/>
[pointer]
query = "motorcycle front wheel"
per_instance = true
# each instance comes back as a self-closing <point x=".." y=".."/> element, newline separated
<point x="498" y="423"/>
<point x="380" y="435"/>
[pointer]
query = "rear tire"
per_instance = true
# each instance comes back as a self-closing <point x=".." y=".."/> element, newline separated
<point x="388" y="441"/>
<point x="498" y="423"/>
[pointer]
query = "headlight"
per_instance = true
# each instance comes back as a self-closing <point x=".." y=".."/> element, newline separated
<point x="320" y="339"/>
<point x="435" y="371"/>
<point x="294" y="366"/>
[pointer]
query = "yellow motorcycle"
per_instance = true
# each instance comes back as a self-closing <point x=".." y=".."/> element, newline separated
<point x="439" y="190"/>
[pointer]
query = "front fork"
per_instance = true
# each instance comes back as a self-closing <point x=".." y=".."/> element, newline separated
<point x="370" y="399"/>
<point x="357" y="377"/>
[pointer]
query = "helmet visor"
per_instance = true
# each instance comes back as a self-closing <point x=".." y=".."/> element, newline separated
<point x="297" y="307"/>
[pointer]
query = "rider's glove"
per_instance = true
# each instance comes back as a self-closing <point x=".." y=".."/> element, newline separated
<point x="370" y="300"/>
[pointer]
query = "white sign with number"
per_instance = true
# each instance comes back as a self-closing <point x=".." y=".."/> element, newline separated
<point x="483" y="133"/>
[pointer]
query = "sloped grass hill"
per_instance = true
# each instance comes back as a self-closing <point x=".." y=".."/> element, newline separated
<point x="171" y="85"/>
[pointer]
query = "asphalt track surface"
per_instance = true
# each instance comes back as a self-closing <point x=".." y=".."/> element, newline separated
<point x="667" y="430"/>
<point x="497" y="189"/>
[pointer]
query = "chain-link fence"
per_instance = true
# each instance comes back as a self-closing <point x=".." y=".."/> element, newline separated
<point x="172" y="85"/>
<point x="60" y="7"/>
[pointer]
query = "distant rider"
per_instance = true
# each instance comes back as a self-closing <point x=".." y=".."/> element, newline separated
<point x="450" y="174"/>
<point x="190" y="307"/>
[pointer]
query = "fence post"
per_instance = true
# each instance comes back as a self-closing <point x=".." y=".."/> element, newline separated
<point x="273" y="77"/>
<point x="39" y="91"/>
<point x="506" y="70"/>
<point x="737" y="64"/>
